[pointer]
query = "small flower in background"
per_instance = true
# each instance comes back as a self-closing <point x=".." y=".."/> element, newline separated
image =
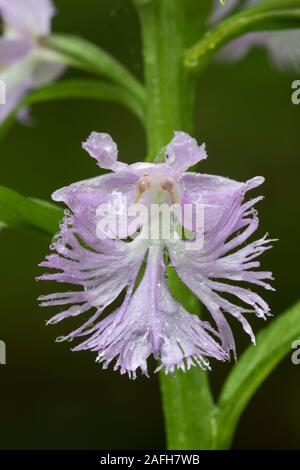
<point x="149" y="320"/>
<point x="24" y="64"/>
<point x="282" y="46"/>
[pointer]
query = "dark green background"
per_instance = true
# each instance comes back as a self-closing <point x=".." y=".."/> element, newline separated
<point x="54" y="399"/>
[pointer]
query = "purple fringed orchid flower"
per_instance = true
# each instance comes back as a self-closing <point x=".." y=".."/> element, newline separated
<point x="282" y="46"/>
<point x="149" y="320"/>
<point x="25" y="64"/>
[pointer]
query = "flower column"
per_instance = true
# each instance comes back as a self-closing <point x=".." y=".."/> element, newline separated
<point x="170" y="99"/>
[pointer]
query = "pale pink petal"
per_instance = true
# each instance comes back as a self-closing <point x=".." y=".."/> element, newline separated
<point x="31" y="17"/>
<point x="102" y="147"/>
<point x="183" y="152"/>
<point x="12" y="50"/>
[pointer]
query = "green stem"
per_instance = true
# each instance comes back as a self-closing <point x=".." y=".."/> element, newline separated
<point x="169" y="98"/>
<point x="185" y="396"/>
<point x="188" y="406"/>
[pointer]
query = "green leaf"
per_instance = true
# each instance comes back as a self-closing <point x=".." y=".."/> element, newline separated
<point x="86" y="89"/>
<point x="266" y="15"/>
<point x="76" y="89"/>
<point x="28" y="214"/>
<point x="274" y="342"/>
<point x="190" y="413"/>
<point x="89" y="57"/>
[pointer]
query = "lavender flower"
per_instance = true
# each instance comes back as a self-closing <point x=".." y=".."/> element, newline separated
<point x="149" y="320"/>
<point x="25" y="64"/>
<point x="283" y="46"/>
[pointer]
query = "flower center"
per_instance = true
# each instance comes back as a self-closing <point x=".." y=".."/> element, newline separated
<point x="161" y="188"/>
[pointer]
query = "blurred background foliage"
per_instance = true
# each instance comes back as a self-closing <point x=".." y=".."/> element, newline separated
<point x="52" y="398"/>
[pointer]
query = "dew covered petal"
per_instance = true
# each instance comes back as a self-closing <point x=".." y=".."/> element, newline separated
<point x="183" y="152"/>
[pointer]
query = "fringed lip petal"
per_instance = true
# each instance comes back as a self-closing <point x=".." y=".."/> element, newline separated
<point x="229" y="226"/>
<point x="152" y="322"/>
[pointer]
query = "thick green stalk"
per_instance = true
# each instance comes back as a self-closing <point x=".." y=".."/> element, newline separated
<point x="187" y="402"/>
<point x="169" y="88"/>
<point x="189" y="409"/>
<point x="190" y="414"/>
